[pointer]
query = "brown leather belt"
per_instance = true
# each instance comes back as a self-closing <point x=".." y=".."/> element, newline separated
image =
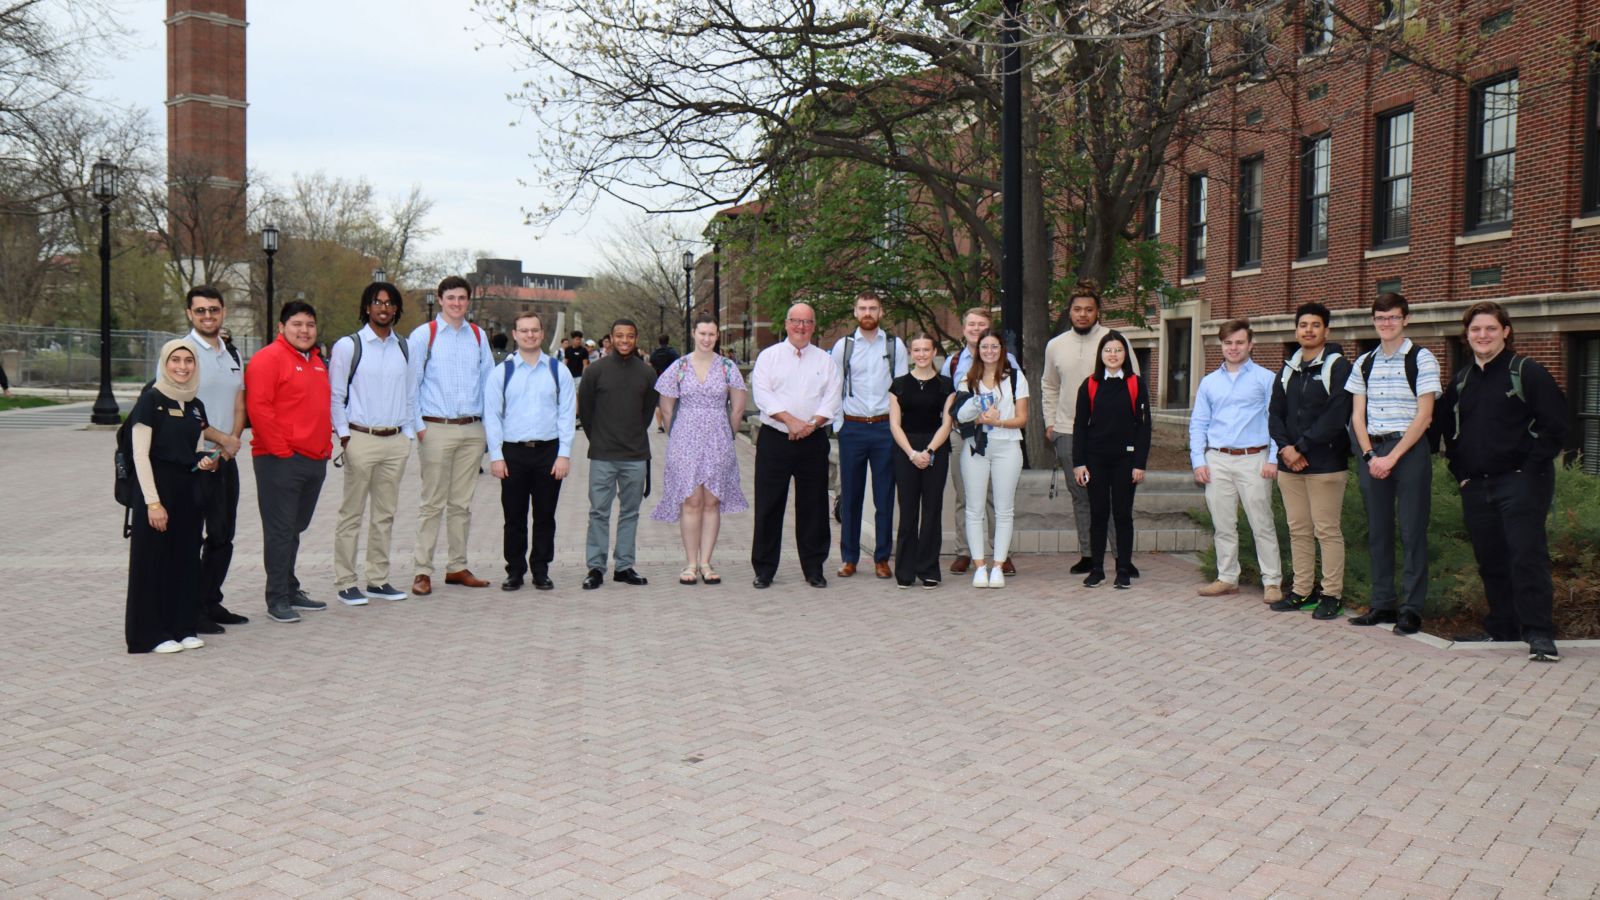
<point x="1240" y="451"/>
<point x="464" y="420"/>
<point x="867" y="420"/>
<point x="375" y="432"/>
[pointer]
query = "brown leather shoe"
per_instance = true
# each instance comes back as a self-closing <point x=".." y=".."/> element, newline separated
<point x="961" y="565"/>
<point x="1272" y="593"/>
<point x="881" y="569"/>
<point x="1218" y="588"/>
<point x="421" y="586"/>
<point x="1006" y="568"/>
<point x="846" y="570"/>
<point x="465" y="578"/>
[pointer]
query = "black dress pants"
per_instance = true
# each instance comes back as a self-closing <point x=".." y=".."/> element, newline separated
<point x="528" y="482"/>
<point x="921" y="495"/>
<point x="1111" y="490"/>
<point x="220" y="492"/>
<point x="779" y="459"/>
<point x="287" y="489"/>
<point x="1505" y="517"/>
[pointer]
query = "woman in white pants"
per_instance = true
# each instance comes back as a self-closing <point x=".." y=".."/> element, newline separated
<point x="998" y="408"/>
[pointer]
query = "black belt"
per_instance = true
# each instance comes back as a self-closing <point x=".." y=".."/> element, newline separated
<point x="534" y="444"/>
<point x="1386" y="436"/>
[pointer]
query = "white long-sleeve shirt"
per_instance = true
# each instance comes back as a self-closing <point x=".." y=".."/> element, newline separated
<point x="382" y="394"/>
<point x="803" y="382"/>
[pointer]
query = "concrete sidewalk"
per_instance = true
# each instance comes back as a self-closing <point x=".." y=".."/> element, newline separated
<point x="1044" y="740"/>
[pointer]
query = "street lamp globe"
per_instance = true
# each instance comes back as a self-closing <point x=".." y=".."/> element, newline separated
<point x="688" y="261"/>
<point x="103" y="180"/>
<point x="379" y="275"/>
<point x="269" y="239"/>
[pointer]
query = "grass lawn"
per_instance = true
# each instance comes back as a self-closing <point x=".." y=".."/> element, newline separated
<point x="25" y="402"/>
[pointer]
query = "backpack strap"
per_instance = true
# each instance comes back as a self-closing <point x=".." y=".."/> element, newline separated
<point x="849" y="351"/>
<point x="1412" y="356"/>
<point x="355" y="360"/>
<point x="233" y="352"/>
<point x="1133" y="394"/>
<point x="505" y="386"/>
<point x="1094" y="388"/>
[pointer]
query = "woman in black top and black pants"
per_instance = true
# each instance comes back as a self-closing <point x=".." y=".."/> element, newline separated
<point x="1110" y="454"/>
<point x="919" y="421"/>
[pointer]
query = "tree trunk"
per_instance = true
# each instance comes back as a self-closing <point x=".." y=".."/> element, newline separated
<point x="1036" y="324"/>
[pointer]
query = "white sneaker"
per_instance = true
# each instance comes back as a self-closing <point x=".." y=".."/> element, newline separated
<point x="980" y="577"/>
<point x="168" y="647"/>
<point x="997" y="577"/>
<point x="192" y="643"/>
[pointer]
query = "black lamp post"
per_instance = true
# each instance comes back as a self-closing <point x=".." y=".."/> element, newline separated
<point x="688" y="301"/>
<point x="716" y="286"/>
<point x="269" y="246"/>
<point x="661" y="317"/>
<point x="379" y="274"/>
<point x="430" y="306"/>
<point x="747" y="334"/>
<point x="1011" y="175"/>
<point x="103" y="187"/>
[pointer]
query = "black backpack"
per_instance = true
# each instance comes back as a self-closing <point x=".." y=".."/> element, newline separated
<point x="1365" y="361"/>
<point x="126" y="484"/>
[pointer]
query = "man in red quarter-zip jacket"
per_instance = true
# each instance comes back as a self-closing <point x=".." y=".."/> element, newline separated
<point x="286" y="396"/>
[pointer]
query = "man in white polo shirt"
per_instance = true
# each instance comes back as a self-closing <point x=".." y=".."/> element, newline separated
<point x="222" y="392"/>
<point x="1394" y="388"/>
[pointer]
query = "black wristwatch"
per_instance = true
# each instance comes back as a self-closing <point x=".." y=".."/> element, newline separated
<point x="1367" y="456"/>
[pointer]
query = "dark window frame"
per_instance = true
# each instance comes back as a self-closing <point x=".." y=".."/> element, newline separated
<point x="1251" y="206"/>
<point x="1195" y="225"/>
<point x="1479" y="159"/>
<point x="1309" y="199"/>
<point x="1591" y="137"/>
<point x="1384" y="179"/>
<point x="1319" y="23"/>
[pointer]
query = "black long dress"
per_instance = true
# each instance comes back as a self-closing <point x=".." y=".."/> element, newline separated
<point x="164" y="566"/>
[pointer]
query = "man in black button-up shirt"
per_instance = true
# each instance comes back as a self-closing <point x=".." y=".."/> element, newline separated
<point x="1504" y="419"/>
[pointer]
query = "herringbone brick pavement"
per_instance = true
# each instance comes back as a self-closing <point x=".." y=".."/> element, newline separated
<point x="1044" y="740"/>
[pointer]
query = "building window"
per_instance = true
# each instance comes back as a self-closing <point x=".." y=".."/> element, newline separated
<point x="1196" y="243"/>
<point x="1398" y="9"/>
<point x="1254" y="44"/>
<point x="1250" y="172"/>
<point x="1586" y="393"/>
<point x="1591" y="137"/>
<point x="1491" y="165"/>
<point x="1152" y="214"/>
<point x="1319" y="25"/>
<point x="1314" y="170"/>
<point x="1392" y="218"/>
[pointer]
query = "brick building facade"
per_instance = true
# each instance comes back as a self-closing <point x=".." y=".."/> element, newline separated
<point x="1360" y="176"/>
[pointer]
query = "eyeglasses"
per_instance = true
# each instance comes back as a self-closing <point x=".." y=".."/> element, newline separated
<point x="802" y="321"/>
<point x="389" y="303"/>
<point x="1388" y="320"/>
<point x="206" y="310"/>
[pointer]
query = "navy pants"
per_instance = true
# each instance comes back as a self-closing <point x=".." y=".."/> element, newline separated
<point x="863" y="447"/>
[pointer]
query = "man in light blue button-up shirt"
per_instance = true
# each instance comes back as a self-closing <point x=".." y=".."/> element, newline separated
<point x="1232" y="454"/>
<point x="529" y="414"/>
<point x="869" y="360"/>
<point x="450" y="358"/>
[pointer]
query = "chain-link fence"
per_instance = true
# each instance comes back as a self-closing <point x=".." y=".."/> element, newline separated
<point x="43" y="356"/>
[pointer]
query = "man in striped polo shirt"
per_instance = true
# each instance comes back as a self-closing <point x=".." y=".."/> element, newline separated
<point x="1394" y="387"/>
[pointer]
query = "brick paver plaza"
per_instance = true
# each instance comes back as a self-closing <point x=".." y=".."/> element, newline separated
<point x="1044" y="740"/>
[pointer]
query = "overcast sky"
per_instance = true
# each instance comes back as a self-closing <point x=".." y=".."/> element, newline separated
<point x="393" y="92"/>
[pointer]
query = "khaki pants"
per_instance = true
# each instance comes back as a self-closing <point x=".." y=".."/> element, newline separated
<point x="373" y="467"/>
<point x="1313" y="504"/>
<point x="450" y="455"/>
<point x="1235" y="481"/>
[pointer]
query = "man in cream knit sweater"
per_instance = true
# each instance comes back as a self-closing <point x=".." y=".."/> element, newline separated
<point x="1069" y="358"/>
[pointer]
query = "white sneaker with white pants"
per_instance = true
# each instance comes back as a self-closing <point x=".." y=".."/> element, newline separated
<point x="1236" y="480"/>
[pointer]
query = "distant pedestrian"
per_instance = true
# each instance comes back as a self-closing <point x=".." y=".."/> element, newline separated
<point x="660" y="358"/>
<point x="374" y="410"/>
<point x="615" y="402"/>
<point x="1307" y="418"/>
<point x="529" y="414"/>
<point x="576" y="355"/>
<point x="703" y="398"/>
<point x="1233" y="455"/>
<point x="1110" y="452"/>
<point x="869" y="360"/>
<point x="287" y="395"/>
<point x="1506" y="418"/>
<point x="1393" y="389"/>
<point x="921" y="424"/>
<point x="795" y="385"/>
<point x="167" y="422"/>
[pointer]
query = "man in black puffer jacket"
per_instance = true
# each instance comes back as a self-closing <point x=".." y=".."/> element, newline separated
<point x="1307" y="419"/>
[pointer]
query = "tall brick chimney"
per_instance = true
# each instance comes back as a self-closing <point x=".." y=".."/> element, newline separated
<point x="206" y="132"/>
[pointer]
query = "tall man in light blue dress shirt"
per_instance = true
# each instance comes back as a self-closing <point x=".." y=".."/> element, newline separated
<point x="374" y="410"/>
<point x="1232" y="454"/>
<point x="529" y="415"/>
<point x="450" y="358"/>
<point x="868" y="359"/>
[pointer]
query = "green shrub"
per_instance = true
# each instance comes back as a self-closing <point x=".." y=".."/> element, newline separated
<point x="1454" y="587"/>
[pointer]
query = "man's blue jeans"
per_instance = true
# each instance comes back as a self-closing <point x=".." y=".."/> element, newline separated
<point x="863" y="446"/>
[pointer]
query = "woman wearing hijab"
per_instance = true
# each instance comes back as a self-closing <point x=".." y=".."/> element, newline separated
<point x="167" y="423"/>
<point x="1109" y="456"/>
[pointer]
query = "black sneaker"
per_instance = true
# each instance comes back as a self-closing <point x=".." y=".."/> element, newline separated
<point x="1123" y="581"/>
<point x="1293" y="602"/>
<point x="302" y="600"/>
<point x="1096" y="578"/>
<point x="284" y="614"/>
<point x="1328" y="608"/>
<point x="221" y="616"/>
<point x="385" y="591"/>
<point x="1542" y="649"/>
<point x="1083" y="566"/>
<point x="929" y="584"/>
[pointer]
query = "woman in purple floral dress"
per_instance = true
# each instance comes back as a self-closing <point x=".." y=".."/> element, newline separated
<point x="701" y="477"/>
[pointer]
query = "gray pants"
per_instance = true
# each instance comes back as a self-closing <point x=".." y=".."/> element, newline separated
<point x="621" y="480"/>
<point x="286" y="492"/>
<point x="1409" y="488"/>
<point x="958" y="451"/>
<point x="1078" y="492"/>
